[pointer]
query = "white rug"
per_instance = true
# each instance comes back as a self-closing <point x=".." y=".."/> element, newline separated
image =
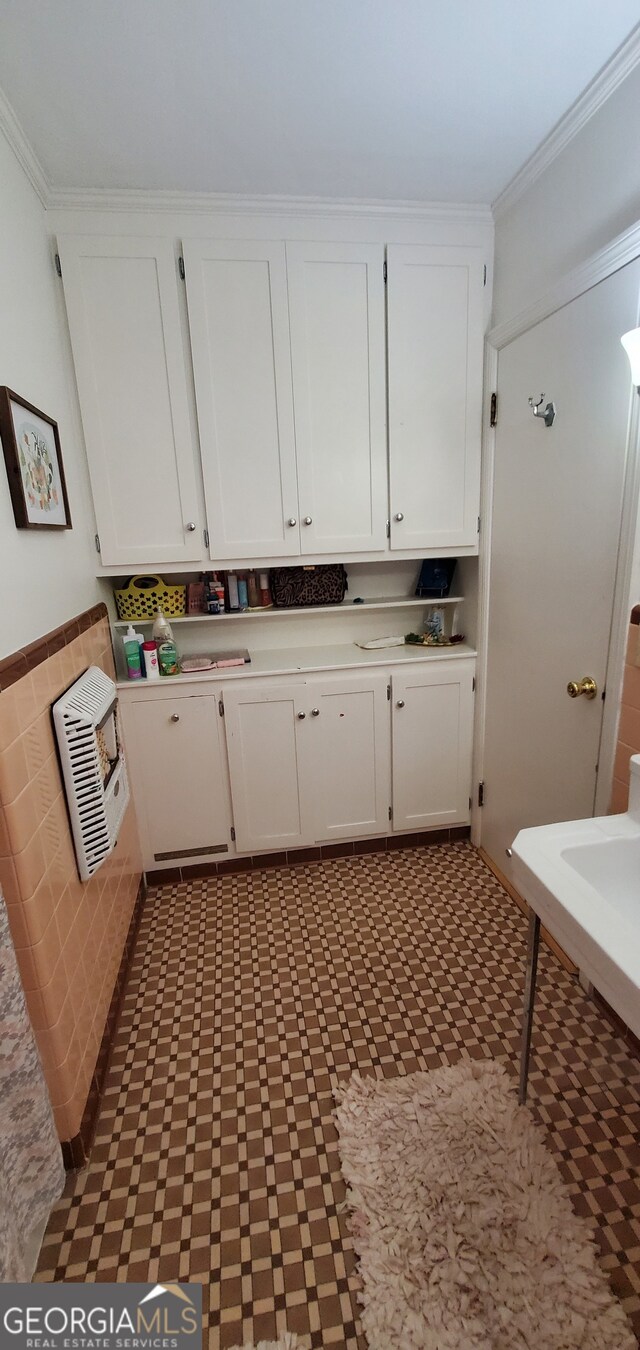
<point x="463" y="1226"/>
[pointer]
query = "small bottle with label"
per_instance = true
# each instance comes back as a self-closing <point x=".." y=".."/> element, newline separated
<point x="150" y="653"/>
<point x="232" y="600"/>
<point x="265" y="591"/>
<point x="243" y="593"/>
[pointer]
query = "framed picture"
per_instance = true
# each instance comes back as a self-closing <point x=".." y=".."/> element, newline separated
<point x="31" y="448"/>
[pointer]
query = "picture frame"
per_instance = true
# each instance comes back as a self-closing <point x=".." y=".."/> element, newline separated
<point x="33" y="459"/>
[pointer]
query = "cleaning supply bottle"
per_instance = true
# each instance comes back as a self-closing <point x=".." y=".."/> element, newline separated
<point x="162" y="630"/>
<point x="132" y="642"/>
<point x="150" y="656"/>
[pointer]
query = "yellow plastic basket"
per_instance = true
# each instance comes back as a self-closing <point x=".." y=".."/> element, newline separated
<point x="145" y="595"/>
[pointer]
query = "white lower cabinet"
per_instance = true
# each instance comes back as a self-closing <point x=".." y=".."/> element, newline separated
<point x="269" y="765"/>
<point x="351" y="756"/>
<point x="306" y="760"/>
<point x="177" y="760"/>
<point x="432" y="728"/>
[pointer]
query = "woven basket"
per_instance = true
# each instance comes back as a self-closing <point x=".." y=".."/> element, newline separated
<point x="144" y="596"/>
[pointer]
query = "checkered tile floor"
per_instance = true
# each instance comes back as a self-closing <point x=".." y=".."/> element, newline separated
<point x="250" y="996"/>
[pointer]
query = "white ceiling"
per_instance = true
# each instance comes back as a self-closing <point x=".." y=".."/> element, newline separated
<point x="438" y="100"/>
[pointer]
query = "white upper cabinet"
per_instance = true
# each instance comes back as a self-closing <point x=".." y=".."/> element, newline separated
<point x="122" y="302"/>
<point x="435" y="357"/>
<point x="238" y="318"/>
<point x="336" y="311"/>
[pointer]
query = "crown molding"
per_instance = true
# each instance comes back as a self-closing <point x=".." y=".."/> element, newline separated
<point x="226" y="203"/>
<point x="23" y="150"/>
<point x="623" y="61"/>
<point x="624" y="249"/>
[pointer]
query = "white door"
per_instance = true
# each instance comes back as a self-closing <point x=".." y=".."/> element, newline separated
<point x="556" y="520"/>
<point x="122" y="302"/>
<point x="268" y="748"/>
<point x="351" y="754"/>
<point x="176" y="756"/>
<point x="435" y="337"/>
<point x="239" y="324"/>
<point x="336" y="308"/>
<point x="432" y="729"/>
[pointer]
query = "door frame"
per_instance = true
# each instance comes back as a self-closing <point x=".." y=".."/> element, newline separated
<point x="623" y="249"/>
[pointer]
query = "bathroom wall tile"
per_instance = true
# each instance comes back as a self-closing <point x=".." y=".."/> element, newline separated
<point x="38" y="912"/>
<point x="17" y="710"/>
<point x="631" y="686"/>
<point x="621" y="761"/>
<point x="22" y="819"/>
<point x="38" y="743"/>
<point x="629" y="726"/>
<point x="633" y="644"/>
<point x="14" y="771"/>
<point x="31" y="865"/>
<point x="5" y="846"/>
<point x="9" y="882"/>
<point x="619" y="797"/>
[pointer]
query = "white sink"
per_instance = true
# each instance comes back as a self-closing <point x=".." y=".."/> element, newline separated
<point x="582" y="878"/>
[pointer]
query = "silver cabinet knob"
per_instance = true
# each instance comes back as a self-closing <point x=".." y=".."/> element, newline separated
<point x="301" y="717"/>
<point x="292" y="521"/>
<point x="315" y="712"/>
<point x="190" y="526"/>
<point x="400" y="703"/>
<point x="398" y="516"/>
<point x="175" y="717"/>
<point x="308" y="520"/>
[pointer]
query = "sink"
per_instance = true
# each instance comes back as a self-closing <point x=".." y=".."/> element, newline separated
<point x="612" y="867"/>
<point x="582" y="879"/>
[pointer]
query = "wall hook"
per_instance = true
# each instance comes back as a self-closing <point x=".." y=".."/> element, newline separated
<point x="548" y="414"/>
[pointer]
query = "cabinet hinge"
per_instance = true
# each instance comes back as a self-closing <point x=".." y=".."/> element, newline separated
<point x="484" y="275"/>
<point x="384" y="272"/>
<point x="473" y="685"/>
<point x="205" y="535"/>
<point x="478" y="524"/>
<point x="388" y="693"/>
<point x="470" y="803"/>
<point x="233" y="834"/>
<point x="493" y="411"/>
<point x="181" y="268"/>
<point x="480" y="794"/>
<point x="58" y="264"/>
<point x="390" y="813"/>
<point x="388" y="529"/>
<point x="96" y="539"/>
<point x="221" y="707"/>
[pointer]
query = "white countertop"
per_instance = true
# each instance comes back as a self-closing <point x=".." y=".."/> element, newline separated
<point x="296" y="660"/>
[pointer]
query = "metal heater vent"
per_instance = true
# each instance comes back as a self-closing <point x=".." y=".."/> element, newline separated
<point x="93" y="767"/>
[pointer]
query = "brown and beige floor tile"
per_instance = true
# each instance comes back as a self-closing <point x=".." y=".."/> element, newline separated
<point x="250" y="996"/>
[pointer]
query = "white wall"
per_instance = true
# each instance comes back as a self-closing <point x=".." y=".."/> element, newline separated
<point x="587" y="195"/>
<point x="46" y="576"/>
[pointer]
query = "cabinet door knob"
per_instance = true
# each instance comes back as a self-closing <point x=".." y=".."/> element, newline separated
<point x="190" y="526"/>
<point x="301" y="717"/>
<point x="308" y="520"/>
<point x="400" y="703"/>
<point x="398" y="516"/>
<point x="175" y="717"/>
<point x="315" y="712"/>
<point x="292" y="521"/>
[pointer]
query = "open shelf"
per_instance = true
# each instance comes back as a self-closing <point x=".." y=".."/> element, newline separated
<point x="347" y="606"/>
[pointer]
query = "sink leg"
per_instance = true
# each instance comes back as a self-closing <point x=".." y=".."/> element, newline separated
<point x="529" y="999"/>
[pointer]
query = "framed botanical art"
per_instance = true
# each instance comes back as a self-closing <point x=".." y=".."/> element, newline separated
<point x="31" y="448"/>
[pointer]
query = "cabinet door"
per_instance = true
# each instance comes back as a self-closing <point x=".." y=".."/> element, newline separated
<point x="268" y="748"/>
<point x="432" y="727"/>
<point x="435" y="335"/>
<point x="176" y="754"/>
<point x="351" y="783"/>
<point x="237" y="298"/>
<point x="336" y="308"/>
<point x="122" y="303"/>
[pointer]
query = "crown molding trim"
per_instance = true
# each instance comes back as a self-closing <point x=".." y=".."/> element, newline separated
<point x="625" y="248"/>
<point x="23" y="150"/>
<point x="225" y="203"/>
<point x="621" y="64"/>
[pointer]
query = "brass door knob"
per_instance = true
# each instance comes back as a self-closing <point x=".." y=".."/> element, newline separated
<point x="586" y="686"/>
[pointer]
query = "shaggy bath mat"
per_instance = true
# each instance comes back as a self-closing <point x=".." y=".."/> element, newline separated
<point x="465" y="1233"/>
